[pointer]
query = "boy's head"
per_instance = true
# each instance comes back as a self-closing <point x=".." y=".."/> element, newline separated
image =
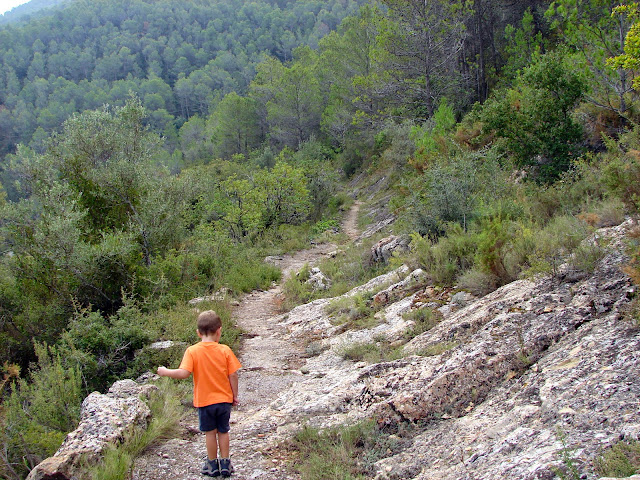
<point x="209" y="322"/>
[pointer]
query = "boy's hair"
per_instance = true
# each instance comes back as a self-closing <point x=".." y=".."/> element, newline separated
<point x="209" y="322"/>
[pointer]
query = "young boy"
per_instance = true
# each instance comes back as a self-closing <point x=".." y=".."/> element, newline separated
<point x="215" y="389"/>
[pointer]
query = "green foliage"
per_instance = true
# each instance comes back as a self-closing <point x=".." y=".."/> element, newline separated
<point x="180" y="60"/>
<point x="444" y="259"/>
<point x="354" y="312"/>
<point x="432" y="138"/>
<point x="235" y="126"/>
<point x="40" y="411"/>
<point x="593" y="30"/>
<point x="621" y="172"/>
<point x="102" y="347"/>
<point x="324" y="225"/>
<point x="451" y="190"/>
<point x="533" y="120"/>
<point x="620" y="461"/>
<point x="554" y="243"/>
<point x="424" y="319"/>
<point x="374" y="352"/>
<point x="347" y="453"/>
<point x="522" y="46"/>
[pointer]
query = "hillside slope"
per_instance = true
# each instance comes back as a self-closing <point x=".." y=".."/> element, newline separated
<point x="528" y="380"/>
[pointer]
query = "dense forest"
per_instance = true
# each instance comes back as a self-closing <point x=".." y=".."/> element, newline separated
<point x="157" y="150"/>
<point x="181" y="59"/>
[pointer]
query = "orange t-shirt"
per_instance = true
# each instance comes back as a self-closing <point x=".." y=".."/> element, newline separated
<point x="211" y="364"/>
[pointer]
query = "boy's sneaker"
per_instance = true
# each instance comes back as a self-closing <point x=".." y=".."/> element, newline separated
<point x="211" y="468"/>
<point x="225" y="467"/>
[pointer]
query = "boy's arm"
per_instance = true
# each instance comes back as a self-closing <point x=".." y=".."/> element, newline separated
<point x="178" y="373"/>
<point x="233" y="380"/>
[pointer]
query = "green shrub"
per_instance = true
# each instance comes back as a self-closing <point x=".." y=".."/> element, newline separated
<point x="585" y="257"/>
<point x="477" y="281"/>
<point x="621" y="169"/>
<point x="424" y="319"/>
<point x="620" y="461"/>
<point x="355" y="312"/>
<point x="338" y="203"/>
<point x="179" y="323"/>
<point x="296" y="290"/>
<point x="554" y="243"/>
<point x="437" y="349"/>
<point x="40" y="410"/>
<point x="446" y="258"/>
<point x="609" y="213"/>
<point x="347" y="453"/>
<point x="324" y="225"/>
<point x="358" y="352"/>
<point x="103" y="346"/>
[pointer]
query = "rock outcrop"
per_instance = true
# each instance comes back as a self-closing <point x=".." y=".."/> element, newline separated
<point x="383" y="250"/>
<point x="105" y="419"/>
<point x="505" y="386"/>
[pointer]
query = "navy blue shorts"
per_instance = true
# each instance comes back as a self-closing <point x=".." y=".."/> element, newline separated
<point x="215" y="417"/>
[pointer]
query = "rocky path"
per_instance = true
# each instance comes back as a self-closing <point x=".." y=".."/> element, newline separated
<point x="350" y="222"/>
<point x="270" y="365"/>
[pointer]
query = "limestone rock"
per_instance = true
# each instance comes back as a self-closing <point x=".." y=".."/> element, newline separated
<point x="399" y="290"/>
<point x="220" y="296"/>
<point x="382" y="251"/>
<point x="318" y="280"/>
<point x="104" y="420"/>
<point x="493" y="383"/>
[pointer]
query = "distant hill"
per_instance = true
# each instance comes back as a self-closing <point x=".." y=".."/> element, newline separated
<point x="28" y="8"/>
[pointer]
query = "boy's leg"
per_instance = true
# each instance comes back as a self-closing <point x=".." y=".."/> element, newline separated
<point x="212" y="444"/>
<point x="223" y="441"/>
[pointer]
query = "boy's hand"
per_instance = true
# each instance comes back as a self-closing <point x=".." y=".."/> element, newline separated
<point x="236" y="402"/>
<point x="162" y="371"/>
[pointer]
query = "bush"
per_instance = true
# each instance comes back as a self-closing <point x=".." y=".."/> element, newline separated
<point x="296" y="290"/>
<point x="179" y="323"/>
<point x="554" y="243"/>
<point x="356" y="312"/>
<point x="607" y="213"/>
<point x="324" y="225"/>
<point x="347" y="452"/>
<point x="424" y="319"/>
<point x="39" y="412"/>
<point x="103" y="346"/>
<point x="620" y="461"/>
<point x="447" y="257"/>
<point x="477" y="281"/>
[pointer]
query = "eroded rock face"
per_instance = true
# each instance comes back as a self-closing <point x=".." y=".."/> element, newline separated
<point x="383" y="250"/>
<point x="104" y="420"/>
<point x="510" y="377"/>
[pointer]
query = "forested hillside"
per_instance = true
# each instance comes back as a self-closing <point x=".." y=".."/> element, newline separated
<point x="153" y="151"/>
<point x="181" y="58"/>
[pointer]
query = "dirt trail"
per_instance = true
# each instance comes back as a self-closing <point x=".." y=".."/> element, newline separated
<point x="270" y="365"/>
<point x="350" y="222"/>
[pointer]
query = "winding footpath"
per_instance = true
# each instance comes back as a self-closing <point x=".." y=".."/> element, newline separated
<point x="271" y="364"/>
